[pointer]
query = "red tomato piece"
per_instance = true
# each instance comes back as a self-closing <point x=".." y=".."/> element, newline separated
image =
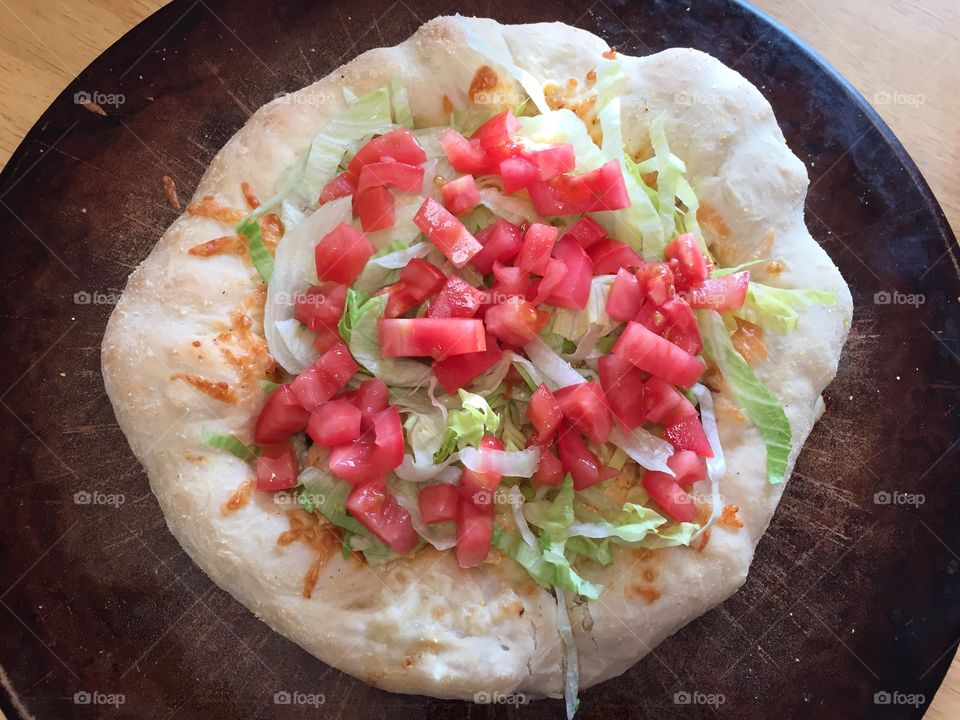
<point x="457" y="299"/>
<point x="584" y="406"/>
<point x="515" y="321"/>
<point x="334" y="423"/>
<point x="600" y="189"/>
<point x="660" y="357"/>
<point x="680" y="325"/>
<point x="656" y="279"/>
<point x="554" y="160"/>
<point x="517" y="174"/>
<point x="687" y="434"/>
<point x="722" y="293"/>
<point x="321" y="306"/>
<point x="403" y="177"/>
<point x="625" y="298"/>
<point x="579" y="461"/>
<point x="354" y="461"/>
<point x="688" y="468"/>
<point x="497" y="130"/>
<point x="509" y="282"/>
<point x="501" y="241"/>
<point x="328" y="374"/>
<point x="549" y="471"/>
<point x="608" y="256"/>
<point x="545" y="414"/>
<point x="374" y="206"/>
<point x="477" y="488"/>
<point x="663" y="402"/>
<point x="342" y="185"/>
<point x="400" y="145"/>
<point x="541" y="289"/>
<point x="436" y="338"/>
<point x="277" y="467"/>
<point x="667" y="493"/>
<point x="466" y="156"/>
<point x="372" y="396"/>
<point x="446" y="232"/>
<point x="586" y="231"/>
<point x="459" y="371"/>
<point x="388" y="432"/>
<point x="281" y="417"/>
<point x="574" y="291"/>
<point x="325" y="338"/>
<point x="689" y="264"/>
<point x="418" y="281"/>
<point x="474" y="534"/>
<point x="341" y="254"/>
<point x="439" y="503"/>
<point x="380" y="513"/>
<point x="537" y="245"/>
<point x="460" y="196"/>
<point x="623" y="386"/>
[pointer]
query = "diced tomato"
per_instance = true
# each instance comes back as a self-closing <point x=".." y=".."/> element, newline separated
<point x="403" y="177"/>
<point x="388" y="432"/>
<point x="656" y="279"/>
<point x="446" y="232"/>
<point x="380" y="513"/>
<point x="354" y="461"/>
<point x="497" y="130"/>
<point x="375" y="207"/>
<point x="688" y="468"/>
<point x="372" y="396"/>
<point x="491" y="442"/>
<point x="584" y="406"/>
<point x="321" y="306"/>
<point x="466" y="156"/>
<point x="574" y="291"/>
<point x="474" y="534"/>
<point x="328" y="373"/>
<point x="600" y="189"/>
<point x="281" y="417"/>
<point x="625" y="298"/>
<point x="457" y="299"/>
<point x="586" y="231"/>
<point x="667" y="493"/>
<point x="501" y="241"/>
<point x="579" y="461"/>
<point x="341" y="254"/>
<point x="549" y="471"/>
<point x="623" y="386"/>
<point x="660" y="357"/>
<point x="277" y="467"/>
<point x="439" y="503"/>
<point x="515" y="321"/>
<point x="608" y="256"/>
<point x="418" y="281"/>
<point x="334" y="423"/>
<point x="727" y="292"/>
<point x="680" y="325"/>
<point x="460" y="370"/>
<point x="517" y="174"/>
<point x="664" y="403"/>
<point x="687" y="434"/>
<point x="541" y="289"/>
<point x="688" y="263"/>
<point x="436" y="338"/>
<point x="545" y="414"/>
<point x="509" y="281"/>
<point x="554" y="160"/>
<point x="325" y="338"/>
<point x="538" y="242"/>
<point x="460" y="196"/>
<point x="400" y="145"/>
<point x="342" y="185"/>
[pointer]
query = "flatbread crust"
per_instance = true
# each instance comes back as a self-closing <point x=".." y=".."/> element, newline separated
<point x="186" y="323"/>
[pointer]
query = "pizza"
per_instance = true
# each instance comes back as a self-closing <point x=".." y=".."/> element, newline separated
<point x="480" y="365"/>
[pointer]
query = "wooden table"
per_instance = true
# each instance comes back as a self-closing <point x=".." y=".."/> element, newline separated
<point x="903" y="55"/>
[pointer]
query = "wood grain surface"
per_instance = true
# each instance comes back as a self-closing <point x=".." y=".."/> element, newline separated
<point x="902" y="55"/>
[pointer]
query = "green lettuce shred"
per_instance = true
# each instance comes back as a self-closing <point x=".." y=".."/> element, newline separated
<point x="261" y="257"/>
<point x="775" y="309"/>
<point x="402" y="115"/>
<point x="467" y="426"/>
<point x="231" y="443"/>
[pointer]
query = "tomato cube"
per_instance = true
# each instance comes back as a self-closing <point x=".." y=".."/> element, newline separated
<point x="625" y="298"/>
<point x="281" y="417"/>
<point x="446" y="232"/>
<point x="277" y="467"/>
<point x="545" y="414"/>
<point x="341" y="254"/>
<point x="474" y="534"/>
<point x="459" y="371"/>
<point x="400" y="145"/>
<point x="380" y="513"/>
<point x="501" y="241"/>
<point x="515" y="321"/>
<point x="585" y="408"/>
<point x="439" y="503"/>
<point x="658" y="356"/>
<point x="457" y="299"/>
<point x="574" y="291"/>
<point x="537" y="245"/>
<point x="436" y="338"/>
<point x="334" y="422"/>
<point x="342" y="185"/>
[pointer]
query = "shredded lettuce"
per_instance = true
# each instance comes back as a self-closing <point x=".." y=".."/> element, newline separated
<point x="261" y="257"/>
<point x="231" y="443"/>
<point x="775" y="309"/>
<point x="442" y="536"/>
<point x="597" y="550"/>
<point x="402" y="115"/>
<point x="511" y="208"/>
<point x="351" y="309"/>
<point x="268" y="386"/>
<point x="381" y="268"/>
<point x="670" y="169"/>
<point x="467" y="426"/>
<point x="575" y="324"/>
<point x="759" y="404"/>
<point x="549" y="366"/>
<point x="361" y="323"/>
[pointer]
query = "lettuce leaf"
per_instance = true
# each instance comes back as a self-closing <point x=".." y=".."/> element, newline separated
<point x="774" y="309"/>
<point x="259" y="255"/>
<point x="231" y="443"/>
<point x="402" y="115"/>
<point x="382" y="267"/>
<point x="467" y="426"/>
<point x="759" y="404"/>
